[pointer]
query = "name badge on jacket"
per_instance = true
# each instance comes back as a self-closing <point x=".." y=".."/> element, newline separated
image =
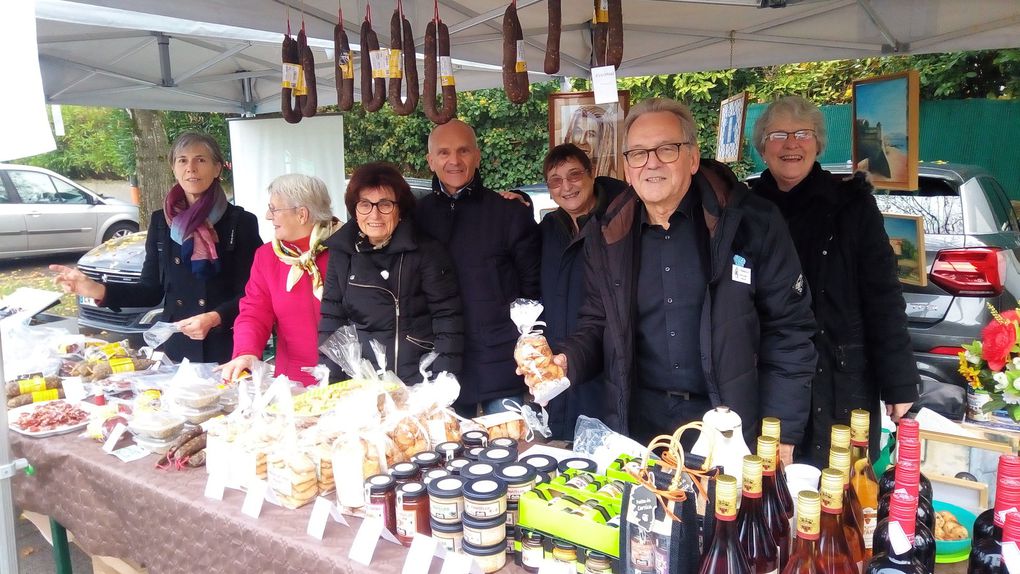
<point x="741" y="274"/>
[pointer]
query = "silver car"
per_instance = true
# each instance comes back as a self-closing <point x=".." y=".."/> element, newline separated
<point x="45" y="213"/>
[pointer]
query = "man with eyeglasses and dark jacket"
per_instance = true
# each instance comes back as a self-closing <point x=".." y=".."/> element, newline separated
<point x="695" y="296"/>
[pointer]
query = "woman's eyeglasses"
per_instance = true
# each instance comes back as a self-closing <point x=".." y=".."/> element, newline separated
<point x="781" y="136"/>
<point x="385" y="206"/>
<point x="573" y="177"/>
<point x="274" y="210"/>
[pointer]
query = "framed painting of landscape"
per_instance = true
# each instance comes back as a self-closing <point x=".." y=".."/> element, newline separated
<point x="906" y="235"/>
<point x="885" y="129"/>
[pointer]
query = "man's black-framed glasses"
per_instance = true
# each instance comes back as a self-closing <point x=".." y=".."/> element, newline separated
<point x="799" y="135"/>
<point x="573" y="176"/>
<point x="385" y="206"/>
<point x="667" y="153"/>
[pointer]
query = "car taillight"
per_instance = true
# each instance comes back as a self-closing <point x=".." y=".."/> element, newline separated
<point x="953" y="351"/>
<point x="974" y="272"/>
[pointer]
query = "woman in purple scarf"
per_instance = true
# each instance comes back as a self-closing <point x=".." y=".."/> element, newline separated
<point x="198" y="255"/>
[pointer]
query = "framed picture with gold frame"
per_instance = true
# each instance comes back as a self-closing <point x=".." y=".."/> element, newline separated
<point x="597" y="129"/>
<point x="885" y="129"/>
<point x="963" y="468"/>
<point x="906" y="236"/>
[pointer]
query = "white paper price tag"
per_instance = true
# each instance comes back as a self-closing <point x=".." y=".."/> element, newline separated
<point x="255" y="497"/>
<point x="603" y="83"/>
<point x="131" y="453"/>
<point x="898" y="538"/>
<point x="320" y="516"/>
<point x="365" y="541"/>
<point x="111" y="443"/>
<point x="74" y="390"/>
<point x="459" y="564"/>
<point x="419" y="556"/>
<point x="1011" y="557"/>
<point x="215" y="485"/>
<point x="554" y="567"/>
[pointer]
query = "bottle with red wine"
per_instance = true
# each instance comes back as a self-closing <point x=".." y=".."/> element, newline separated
<point x="894" y="553"/>
<point x="1007" y="499"/>
<point x="725" y="554"/>
<point x="771" y="426"/>
<point x="839" y="460"/>
<point x="909" y="466"/>
<point x="833" y="550"/>
<point x="752" y="527"/>
<point x="804" y="557"/>
<point x="779" y="523"/>
<point x="907" y="434"/>
<point x="987" y="557"/>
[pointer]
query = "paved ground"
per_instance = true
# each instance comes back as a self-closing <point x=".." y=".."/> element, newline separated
<point x="35" y="555"/>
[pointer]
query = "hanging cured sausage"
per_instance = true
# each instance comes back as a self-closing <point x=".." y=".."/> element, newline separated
<point x="515" y="68"/>
<point x="309" y="102"/>
<point x="438" y="65"/>
<point x="552" y="43"/>
<point x="373" y="82"/>
<point x="290" y="111"/>
<point x="344" y="66"/>
<point x="402" y="46"/>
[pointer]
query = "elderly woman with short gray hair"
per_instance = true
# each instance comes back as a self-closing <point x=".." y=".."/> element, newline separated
<point x="285" y="288"/>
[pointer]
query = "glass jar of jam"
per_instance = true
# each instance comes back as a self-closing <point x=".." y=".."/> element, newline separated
<point x="412" y="512"/>
<point x="565" y="552"/>
<point x="427" y="460"/>
<point x="532" y="551"/>
<point x="446" y="500"/>
<point x="474" y="438"/>
<point x="598" y="564"/>
<point x="485" y="497"/>
<point x="448" y="451"/>
<point x="404" y="472"/>
<point x="497" y="456"/>
<point x="381" y="500"/>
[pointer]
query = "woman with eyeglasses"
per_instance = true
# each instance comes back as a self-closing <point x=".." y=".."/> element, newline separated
<point x="393" y="283"/>
<point x="286" y="284"/>
<point x="864" y="350"/>
<point x="198" y="253"/>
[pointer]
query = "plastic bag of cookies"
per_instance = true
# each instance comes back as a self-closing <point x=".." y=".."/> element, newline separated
<point x="534" y="358"/>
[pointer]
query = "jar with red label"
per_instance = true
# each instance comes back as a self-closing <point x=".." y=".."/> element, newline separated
<point x="412" y="511"/>
<point x="381" y="500"/>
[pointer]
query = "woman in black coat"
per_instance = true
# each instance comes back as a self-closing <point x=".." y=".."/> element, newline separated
<point x="198" y="254"/>
<point x="864" y="350"/>
<point x="392" y="283"/>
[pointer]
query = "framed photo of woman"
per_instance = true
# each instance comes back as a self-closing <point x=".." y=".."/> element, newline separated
<point x="597" y="129"/>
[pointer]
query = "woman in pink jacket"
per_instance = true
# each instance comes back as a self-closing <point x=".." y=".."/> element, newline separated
<point x="284" y="291"/>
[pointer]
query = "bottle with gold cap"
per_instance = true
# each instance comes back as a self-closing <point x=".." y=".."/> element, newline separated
<point x="779" y="523"/>
<point x="770" y="426"/>
<point x="863" y="482"/>
<point x="833" y="549"/>
<point x="839" y="436"/>
<point x="804" y="558"/>
<point x="752" y="528"/>
<point x="725" y="554"/>
<point x="839" y="460"/>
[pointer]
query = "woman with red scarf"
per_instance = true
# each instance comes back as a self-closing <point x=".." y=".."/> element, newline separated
<point x="198" y="254"/>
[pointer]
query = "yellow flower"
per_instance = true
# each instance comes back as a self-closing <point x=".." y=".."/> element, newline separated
<point x="969" y="373"/>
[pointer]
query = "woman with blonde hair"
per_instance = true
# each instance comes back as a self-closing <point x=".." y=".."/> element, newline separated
<point x="593" y="129"/>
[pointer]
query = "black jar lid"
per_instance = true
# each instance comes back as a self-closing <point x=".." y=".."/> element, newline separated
<point x="564" y="545"/>
<point x="449" y="450"/>
<point x="541" y="462"/>
<point x="472" y="453"/>
<point x="445" y="528"/>
<point x="472" y="550"/>
<point x="483" y="523"/>
<point x="498" y="456"/>
<point x="504" y="442"/>
<point x="456" y="465"/>
<point x="584" y="464"/>
<point x="380" y="483"/>
<point x="447" y="487"/>
<point x="474" y="438"/>
<point x="426" y="459"/>
<point x="484" y="489"/>
<point x="517" y="473"/>
<point x="412" y="491"/>
<point x="404" y="470"/>
<point x="478" y="470"/>
<point x="434" y="474"/>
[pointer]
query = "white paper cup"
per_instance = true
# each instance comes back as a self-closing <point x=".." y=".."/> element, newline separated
<point x="802" y="477"/>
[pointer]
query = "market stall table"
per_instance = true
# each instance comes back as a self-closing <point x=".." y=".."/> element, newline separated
<point x="162" y="520"/>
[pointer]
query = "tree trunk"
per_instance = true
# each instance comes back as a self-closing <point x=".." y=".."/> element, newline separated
<point x="155" y="177"/>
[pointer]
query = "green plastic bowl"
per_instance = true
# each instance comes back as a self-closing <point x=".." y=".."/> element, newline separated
<point x="954" y="549"/>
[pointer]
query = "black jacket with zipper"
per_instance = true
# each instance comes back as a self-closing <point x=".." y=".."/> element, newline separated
<point x="562" y="294"/>
<point x="864" y="350"/>
<point x="495" y="247"/>
<point x="756" y="350"/>
<point x="404" y="295"/>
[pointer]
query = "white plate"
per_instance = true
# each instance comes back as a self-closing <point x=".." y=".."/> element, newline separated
<point x="14" y="414"/>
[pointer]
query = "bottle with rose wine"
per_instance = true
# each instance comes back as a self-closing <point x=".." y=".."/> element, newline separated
<point x="804" y="557"/>
<point x="839" y="460"/>
<point x="833" y="550"/>
<point x="771" y="426"/>
<point x="752" y="527"/>
<point x="779" y="523"/>
<point x="725" y="555"/>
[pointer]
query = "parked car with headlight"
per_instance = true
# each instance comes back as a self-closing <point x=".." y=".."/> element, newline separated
<point x="972" y="256"/>
<point x="44" y="213"/>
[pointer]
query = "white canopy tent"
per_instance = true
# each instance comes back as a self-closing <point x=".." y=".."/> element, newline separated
<point x="224" y="55"/>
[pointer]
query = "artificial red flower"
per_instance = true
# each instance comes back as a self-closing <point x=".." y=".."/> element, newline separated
<point x="997" y="339"/>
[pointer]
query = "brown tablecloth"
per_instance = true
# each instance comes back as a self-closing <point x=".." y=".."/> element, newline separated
<point x="162" y="520"/>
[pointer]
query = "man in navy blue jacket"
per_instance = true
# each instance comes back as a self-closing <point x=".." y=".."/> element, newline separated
<point x="495" y="247"/>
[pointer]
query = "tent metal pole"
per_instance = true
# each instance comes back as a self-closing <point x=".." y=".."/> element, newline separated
<point x="8" y="540"/>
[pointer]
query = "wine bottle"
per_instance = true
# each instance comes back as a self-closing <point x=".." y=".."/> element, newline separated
<point x="770" y="426"/>
<point x="986" y="557"/>
<point x="804" y="558"/>
<point x="752" y="528"/>
<point x="907" y="474"/>
<point x="833" y="550"/>
<point x="778" y="522"/>
<point x="863" y="484"/>
<point x="1007" y="499"/>
<point x="907" y="437"/>
<point x="895" y="551"/>
<point x="839" y="435"/>
<point x="725" y="555"/>
<point x="839" y="460"/>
